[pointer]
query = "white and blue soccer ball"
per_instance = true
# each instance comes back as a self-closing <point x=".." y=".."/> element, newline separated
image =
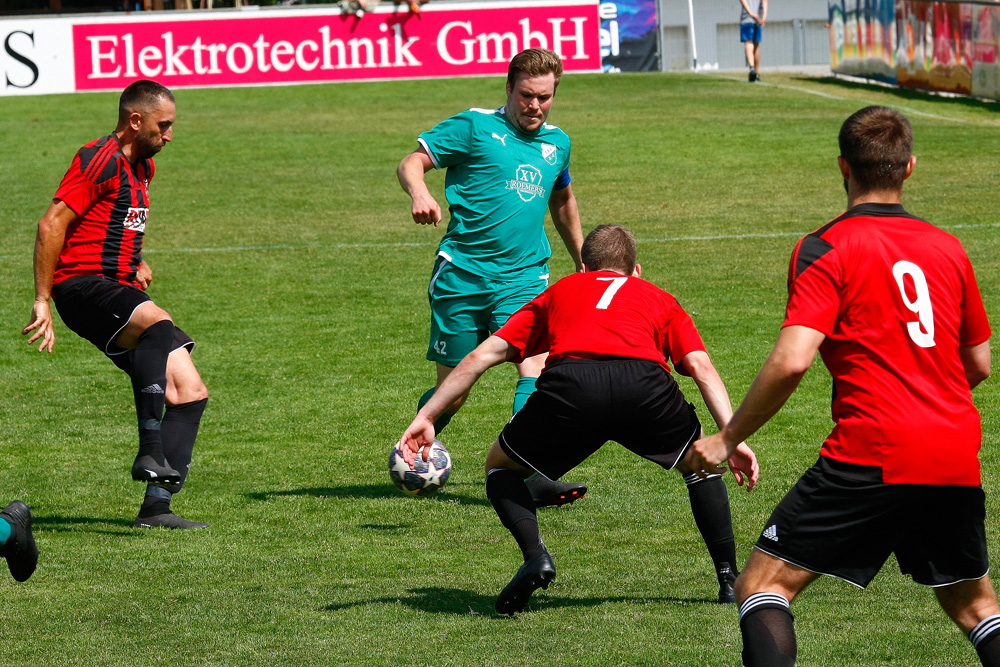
<point x="425" y="478"/>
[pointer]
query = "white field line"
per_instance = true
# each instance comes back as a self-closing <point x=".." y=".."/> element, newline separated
<point x="909" y="110"/>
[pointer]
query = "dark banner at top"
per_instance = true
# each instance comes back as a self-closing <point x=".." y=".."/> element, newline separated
<point x="629" y="36"/>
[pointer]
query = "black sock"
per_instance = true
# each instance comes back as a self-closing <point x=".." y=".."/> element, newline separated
<point x="178" y="432"/>
<point x="513" y="504"/>
<point x="149" y="384"/>
<point x="986" y="638"/>
<point x="768" y="631"/>
<point x="153" y="506"/>
<point x="710" y="506"/>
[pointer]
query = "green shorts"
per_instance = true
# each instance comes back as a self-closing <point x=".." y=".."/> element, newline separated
<point x="466" y="308"/>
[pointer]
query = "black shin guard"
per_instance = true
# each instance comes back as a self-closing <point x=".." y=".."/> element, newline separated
<point x="149" y="384"/>
<point x="768" y="631"/>
<point x="512" y="502"/>
<point x="710" y="506"/>
<point x="178" y="432"/>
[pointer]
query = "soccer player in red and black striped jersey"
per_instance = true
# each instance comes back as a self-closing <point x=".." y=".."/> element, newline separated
<point x="88" y="258"/>
<point x="609" y="335"/>
<point x="891" y="304"/>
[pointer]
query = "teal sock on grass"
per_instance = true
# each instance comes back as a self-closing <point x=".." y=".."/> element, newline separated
<point x="440" y="422"/>
<point x="524" y="388"/>
<point x="4" y="531"/>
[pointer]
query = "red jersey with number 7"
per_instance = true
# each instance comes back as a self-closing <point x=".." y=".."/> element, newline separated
<point x="896" y="298"/>
<point x="603" y="315"/>
<point x="110" y="196"/>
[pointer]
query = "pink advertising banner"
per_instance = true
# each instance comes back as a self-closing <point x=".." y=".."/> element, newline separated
<point x="308" y="46"/>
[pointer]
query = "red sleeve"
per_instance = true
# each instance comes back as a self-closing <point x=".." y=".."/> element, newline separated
<point x="813" y="289"/>
<point x="77" y="190"/>
<point x="975" y="327"/>
<point x="527" y="330"/>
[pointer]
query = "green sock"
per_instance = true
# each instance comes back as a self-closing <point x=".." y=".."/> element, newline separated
<point x="441" y="421"/>
<point x="4" y="531"/>
<point x="524" y="388"/>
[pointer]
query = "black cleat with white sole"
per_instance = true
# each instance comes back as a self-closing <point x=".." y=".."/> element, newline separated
<point x="537" y="572"/>
<point x="146" y="468"/>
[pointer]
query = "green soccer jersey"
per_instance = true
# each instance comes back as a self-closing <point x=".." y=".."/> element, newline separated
<point x="498" y="185"/>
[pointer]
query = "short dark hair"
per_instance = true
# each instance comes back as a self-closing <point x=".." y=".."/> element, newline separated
<point x="609" y="248"/>
<point x="535" y="62"/>
<point x="877" y="143"/>
<point x="141" y="95"/>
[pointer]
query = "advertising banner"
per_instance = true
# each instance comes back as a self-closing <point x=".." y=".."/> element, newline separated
<point x="284" y="46"/>
<point x="935" y="51"/>
<point x="941" y="46"/>
<point x="863" y="38"/>
<point x="629" y="36"/>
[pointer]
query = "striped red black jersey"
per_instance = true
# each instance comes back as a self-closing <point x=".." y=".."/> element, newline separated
<point x="603" y="315"/>
<point x="896" y="298"/>
<point x="110" y="196"/>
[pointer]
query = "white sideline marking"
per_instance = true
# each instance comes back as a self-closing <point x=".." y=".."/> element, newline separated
<point x="909" y="110"/>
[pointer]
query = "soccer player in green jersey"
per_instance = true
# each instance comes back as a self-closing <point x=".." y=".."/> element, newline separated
<point x="505" y="167"/>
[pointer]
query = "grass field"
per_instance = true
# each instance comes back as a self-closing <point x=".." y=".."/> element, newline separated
<point x="281" y="242"/>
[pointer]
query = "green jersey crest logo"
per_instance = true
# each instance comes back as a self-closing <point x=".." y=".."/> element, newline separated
<point x="549" y="153"/>
<point x="527" y="182"/>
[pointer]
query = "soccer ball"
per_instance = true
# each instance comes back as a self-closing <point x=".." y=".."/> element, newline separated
<point x="425" y="478"/>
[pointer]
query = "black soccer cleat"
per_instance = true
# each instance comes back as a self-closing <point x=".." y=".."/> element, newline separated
<point x="546" y="492"/>
<point x="20" y="550"/>
<point x="167" y="520"/>
<point x="147" y="469"/>
<point x="538" y="572"/>
<point x="727" y="577"/>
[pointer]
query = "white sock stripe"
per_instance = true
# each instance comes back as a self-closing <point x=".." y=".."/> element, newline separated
<point x="985" y="628"/>
<point x="692" y="478"/>
<point x="759" y="599"/>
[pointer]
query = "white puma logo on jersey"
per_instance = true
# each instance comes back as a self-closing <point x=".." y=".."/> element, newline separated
<point x="503" y="139"/>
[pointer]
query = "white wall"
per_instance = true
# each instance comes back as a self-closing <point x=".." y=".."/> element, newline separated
<point x="794" y="34"/>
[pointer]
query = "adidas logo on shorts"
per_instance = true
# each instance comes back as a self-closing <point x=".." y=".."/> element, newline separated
<point x="154" y="388"/>
<point x="771" y="533"/>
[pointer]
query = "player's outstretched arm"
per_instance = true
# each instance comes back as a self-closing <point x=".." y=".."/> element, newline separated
<point x="566" y="218"/>
<point x="425" y="210"/>
<point x="780" y="375"/>
<point x="419" y="435"/>
<point x="742" y="462"/>
<point x="48" y="244"/>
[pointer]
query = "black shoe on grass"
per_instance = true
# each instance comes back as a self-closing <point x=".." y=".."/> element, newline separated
<point x="546" y="492"/>
<point x="536" y="573"/>
<point x="20" y="550"/>
<point x="726" y="580"/>
<point x="147" y="468"/>
<point x="167" y="520"/>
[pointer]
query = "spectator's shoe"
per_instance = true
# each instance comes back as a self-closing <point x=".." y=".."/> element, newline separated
<point x="20" y="550"/>
<point x="538" y="572"/>
<point x="546" y="492"/>
<point x="147" y="469"/>
<point x="167" y="520"/>
<point x="726" y="580"/>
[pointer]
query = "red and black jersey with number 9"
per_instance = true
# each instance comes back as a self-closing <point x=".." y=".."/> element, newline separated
<point x="110" y="196"/>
